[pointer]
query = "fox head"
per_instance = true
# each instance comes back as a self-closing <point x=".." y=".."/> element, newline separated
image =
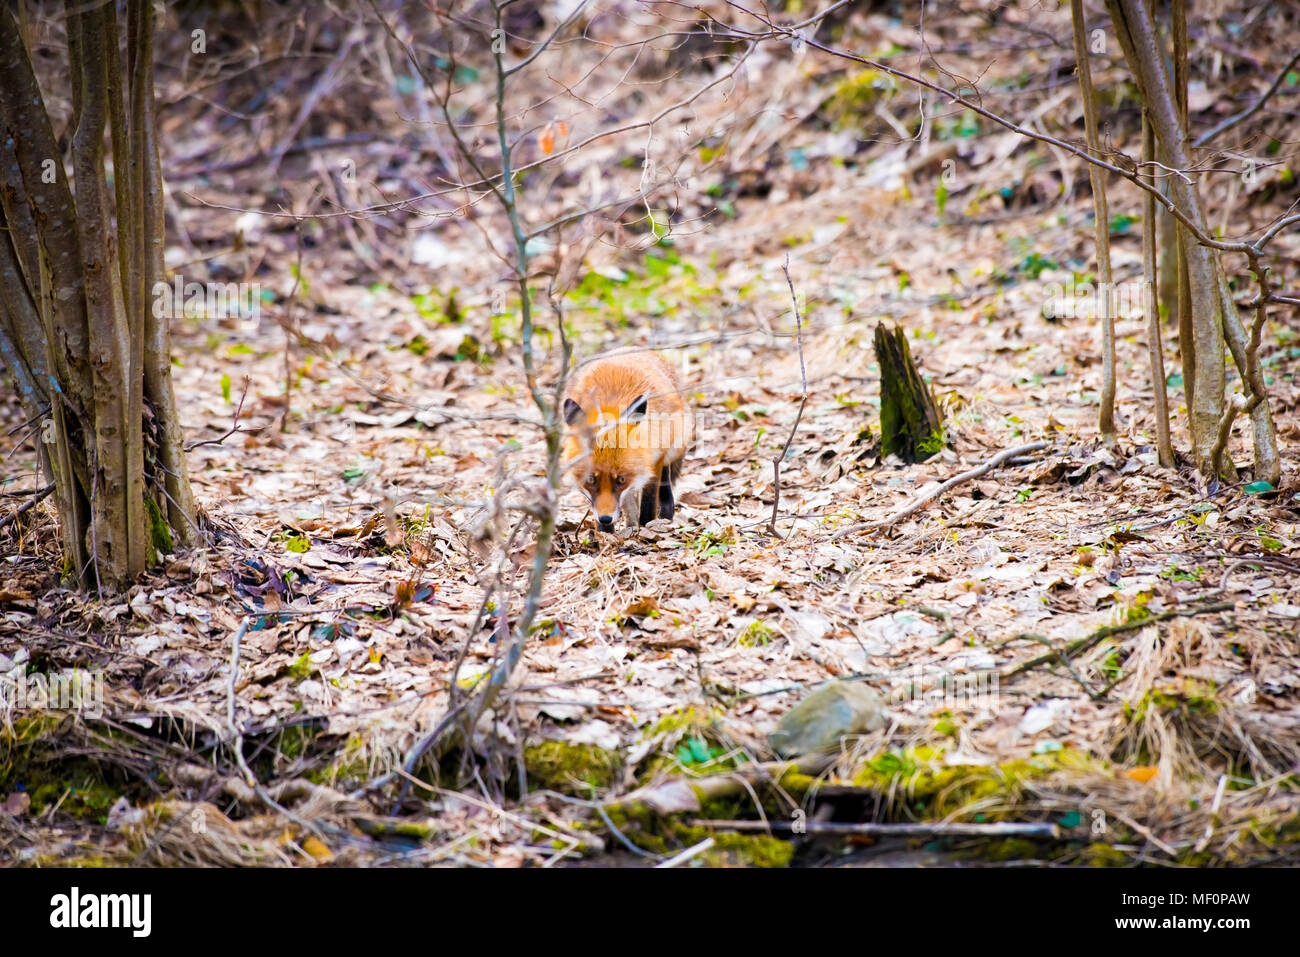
<point x="609" y="458"/>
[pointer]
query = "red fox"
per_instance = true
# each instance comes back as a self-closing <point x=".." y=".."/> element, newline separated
<point x="628" y="431"/>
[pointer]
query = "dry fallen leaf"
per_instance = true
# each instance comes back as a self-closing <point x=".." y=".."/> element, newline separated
<point x="317" y="849"/>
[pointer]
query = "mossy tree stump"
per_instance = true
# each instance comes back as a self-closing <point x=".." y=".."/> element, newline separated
<point x="910" y="424"/>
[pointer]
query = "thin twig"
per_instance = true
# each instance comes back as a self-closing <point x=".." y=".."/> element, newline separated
<point x="1250" y="111"/>
<point x="234" y="425"/>
<point x="803" y="401"/>
<point x="938" y="829"/>
<point x="916" y="504"/>
<point x="37" y="496"/>
<point x="691" y="852"/>
<point x="1106" y="631"/>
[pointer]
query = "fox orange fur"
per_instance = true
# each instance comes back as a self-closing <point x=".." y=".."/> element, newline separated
<point x="629" y="427"/>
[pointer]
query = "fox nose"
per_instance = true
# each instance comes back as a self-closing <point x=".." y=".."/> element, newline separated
<point x="606" y="522"/>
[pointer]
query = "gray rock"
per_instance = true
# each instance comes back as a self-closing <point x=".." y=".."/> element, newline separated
<point x="816" y="724"/>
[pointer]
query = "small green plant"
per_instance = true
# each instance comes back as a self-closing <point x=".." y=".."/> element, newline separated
<point x="1137" y="609"/>
<point x="1174" y="573"/>
<point x="712" y="542"/>
<point x="757" y="634"/>
<point x="694" y="751"/>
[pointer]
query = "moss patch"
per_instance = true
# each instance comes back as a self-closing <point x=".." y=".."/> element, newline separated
<point x="737" y="850"/>
<point x="160" y="533"/>
<point x="856" y="96"/>
<point x="577" y="769"/>
<point x="33" y="759"/>
<point x="928" y="788"/>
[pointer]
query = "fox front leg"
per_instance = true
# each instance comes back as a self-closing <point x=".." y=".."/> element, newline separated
<point x="649" y="502"/>
<point x="666" y="503"/>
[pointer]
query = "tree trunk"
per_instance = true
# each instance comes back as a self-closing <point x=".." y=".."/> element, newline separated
<point x="1151" y="302"/>
<point x="1101" y="228"/>
<point x="910" y="424"/>
<point x="1211" y="314"/>
<point x="77" y="333"/>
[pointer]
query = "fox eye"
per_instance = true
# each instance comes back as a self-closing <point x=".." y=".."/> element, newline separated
<point x="591" y="481"/>
<point x="620" y="480"/>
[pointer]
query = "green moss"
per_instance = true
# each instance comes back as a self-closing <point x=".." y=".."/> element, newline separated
<point x="688" y="738"/>
<point x="933" y="789"/>
<point x="160" y="533"/>
<point x="665" y="837"/>
<point x="1197" y="699"/>
<point x="292" y="742"/>
<point x="911" y="425"/>
<point x="577" y="769"/>
<point x="19" y="749"/>
<point x="683" y="719"/>
<point x="946" y="727"/>
<point x="931" y="444"/>
<point x="1011" y="849"/>
<point x="78" y="791"/>
<point x="1193" y="711"/>
<point x="795" y="783"/>
<point x="36" y="758"/>
<point x="641" y="826"/>
<point x="856" y="96"/>
<point x="300" y="669"/>
<point x="730" y="808"/>
<point x="666" y="286"/>
<point x="410" y="830"/>
<point x="1104" y="855"/>
<point x="83" y="861"/>
<point x="337" y="771"/>
<point x="27" y="730"/>
<point x="737" y="850"/>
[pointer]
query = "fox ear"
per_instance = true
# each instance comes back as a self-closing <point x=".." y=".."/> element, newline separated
<point x="572" y="411"/>
<point x="637" y="410"/>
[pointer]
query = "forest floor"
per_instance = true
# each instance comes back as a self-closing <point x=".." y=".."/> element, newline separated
<point x="349" y="536"/>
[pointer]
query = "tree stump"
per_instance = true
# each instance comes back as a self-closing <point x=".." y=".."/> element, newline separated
<point x="910" y="424"/>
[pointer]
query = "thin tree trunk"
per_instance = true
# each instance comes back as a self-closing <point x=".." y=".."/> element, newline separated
<point x="52" y="214"/>
<point x="1167" y="243"/>
<point x="1101" y="217"/>
<point x="41" y="220"/>
<point x="1267" y="464"/>
<point x="1141" y="48"/>
<point x="1151" y="306"/>
<point x="124" y="189"/>
<point x="1186" y="342"/>
<point x="156" y="330"/>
